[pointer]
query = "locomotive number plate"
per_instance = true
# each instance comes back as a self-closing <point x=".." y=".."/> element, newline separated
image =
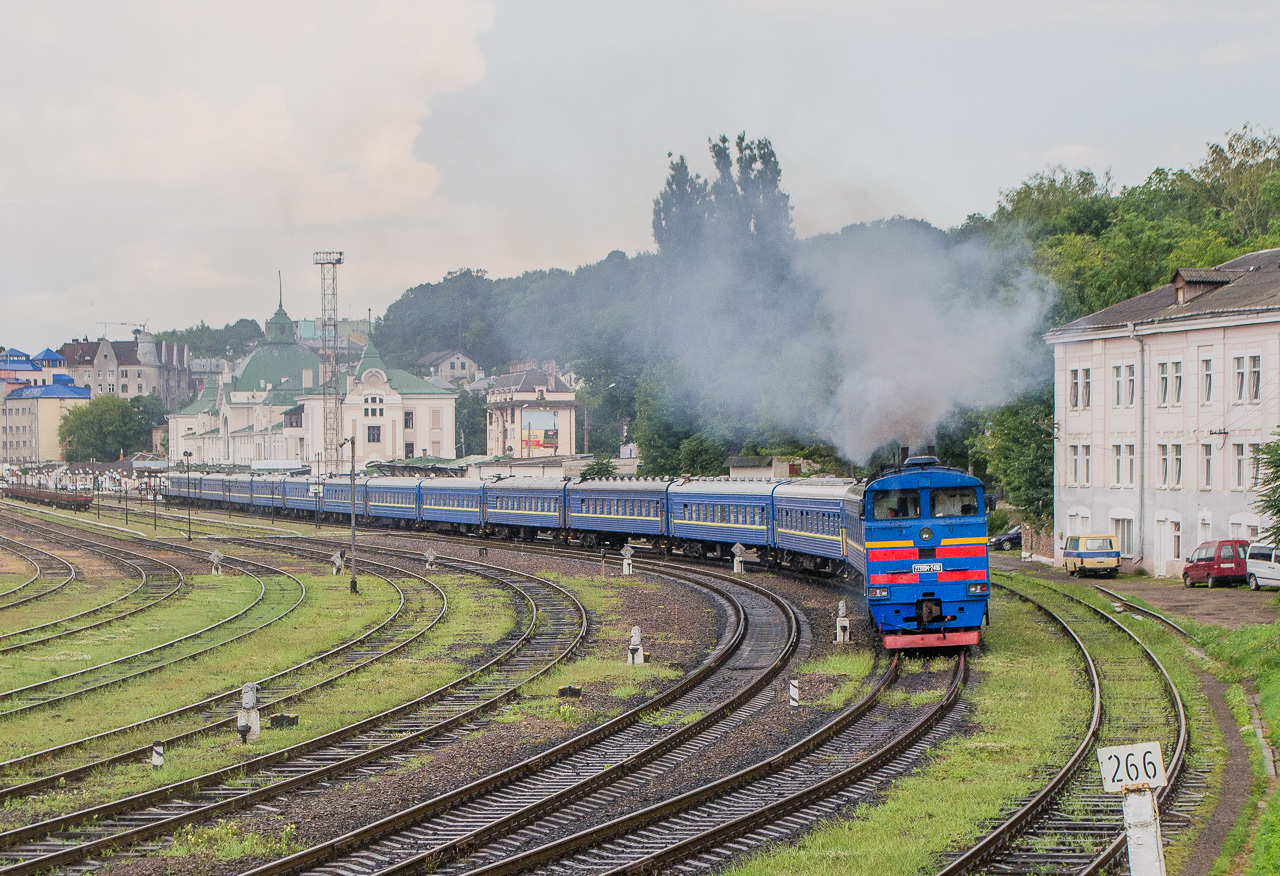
<point x="927" y="567"/>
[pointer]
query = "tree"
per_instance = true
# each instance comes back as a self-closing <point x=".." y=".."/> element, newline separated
<point x="1268" y="502"/>
<point x="701" y="456"/>
<point x="104" y="429"/>
<point x="1019" y="448"/>
<point x="600" y="467"/>
<point x="150" y="410"/>
<point x="232" y="341"/>
<point x="472" y="422"/>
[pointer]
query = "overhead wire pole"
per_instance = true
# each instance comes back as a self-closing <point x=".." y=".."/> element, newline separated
<point x="328" y="262"/>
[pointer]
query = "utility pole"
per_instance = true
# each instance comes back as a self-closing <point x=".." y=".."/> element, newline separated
<point x="352" y="553"/>
<point x="328" y="262"/>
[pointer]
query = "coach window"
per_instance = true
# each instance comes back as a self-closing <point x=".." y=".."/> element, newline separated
<point x="895" y="505"/>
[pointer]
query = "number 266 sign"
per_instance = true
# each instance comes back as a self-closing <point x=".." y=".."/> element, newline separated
<point x="1125" y="765"/>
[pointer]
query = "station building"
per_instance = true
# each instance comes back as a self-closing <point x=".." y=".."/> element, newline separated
<point x="1161" y="406"/>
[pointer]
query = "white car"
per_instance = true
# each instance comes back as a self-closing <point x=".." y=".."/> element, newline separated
<point x="1263" y="566"/>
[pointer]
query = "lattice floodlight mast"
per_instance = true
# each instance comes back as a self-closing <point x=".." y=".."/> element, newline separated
<point x="328" y="262"/>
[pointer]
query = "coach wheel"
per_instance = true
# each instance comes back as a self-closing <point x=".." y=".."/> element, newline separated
<point x="590" y="540"/>
<point x="1253" y="582"/>
<point x="693" y="549"/>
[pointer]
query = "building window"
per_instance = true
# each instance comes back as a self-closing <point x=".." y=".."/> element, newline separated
<point x="1123" y="529"/>
<point x="1239" y="455"/>
<point x="1177" y="464"/>
<point x="124" y="372"/>
<point x="1255" y="378"/>
<point x="1128" y="449"/>
<point x="1115" y="452"/>
<point x="1162" y="384"/>
<point x="1074" y="393"/>
<point x="1255" y="458"/>
<point x="435" y="448"/>
<point x="1086" y="393"/>
<point x="111" y="373"/>
<point x="408" y="450"/>
<point x="1206" y="380"/>
<point x="1175" y="530"/>
<point x="1073" y="466"/>
<point x="408" y="423"/>
<point x="374" y="434"/>
<point x="1129" y="385"/>
<point x="1176" y="367"/>
<point x="1163" y="450"/>
<point x="1116" y="373"/>
<point x="1239" y="362"/>
<point x="124" y="388"/>
<point x="1088" y="473"/>
<point x="1207" y="452"/>
<point x="139" y="387"/>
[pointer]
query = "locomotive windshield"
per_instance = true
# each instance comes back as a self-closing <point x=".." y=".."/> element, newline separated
<point x="954" y="501"/>
<point x="895" y="505"/>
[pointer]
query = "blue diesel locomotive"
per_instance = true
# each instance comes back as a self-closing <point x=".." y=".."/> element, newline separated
<point x="915" y="537"/>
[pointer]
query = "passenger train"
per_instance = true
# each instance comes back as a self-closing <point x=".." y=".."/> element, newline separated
<point x="915" y="537"/>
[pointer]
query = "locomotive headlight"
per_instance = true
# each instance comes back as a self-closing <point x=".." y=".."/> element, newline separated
<point x="878" y="592"/>
<point x="979" y="589"/>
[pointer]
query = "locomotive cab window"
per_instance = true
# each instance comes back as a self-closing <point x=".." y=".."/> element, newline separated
<point x="895" y="505"/>
<point x="954" y="501"/>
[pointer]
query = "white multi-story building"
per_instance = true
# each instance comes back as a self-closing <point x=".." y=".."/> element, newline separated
<point x="1161" y="406"/>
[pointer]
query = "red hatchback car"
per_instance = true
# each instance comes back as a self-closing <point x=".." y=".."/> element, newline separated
<point x="1217" y="562"/>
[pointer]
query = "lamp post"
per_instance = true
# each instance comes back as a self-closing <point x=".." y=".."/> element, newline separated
<point x="352" y="553"/>
<point x="186" y="457"/>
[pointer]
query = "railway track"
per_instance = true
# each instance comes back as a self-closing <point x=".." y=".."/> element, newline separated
<point x="553" y="625"/>
<point x="416" y="597"/>
<point x="150" y="591"/>
<point x="1070" y="826"/>
<point x="50" y="570"/>
<point x="269" y="606"/>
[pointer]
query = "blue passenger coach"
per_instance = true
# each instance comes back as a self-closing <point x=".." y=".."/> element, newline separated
<point x="926" y="555"/>
<point x="708" y="517"/>
<point x="451" y="504"/>
<point x="809" y="522"/>
<point x="612" y="510"/>
<point x="523" y="507"/>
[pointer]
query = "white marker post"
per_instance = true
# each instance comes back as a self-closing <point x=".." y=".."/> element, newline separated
<point x="626" y="552"/>
<point x="842" y="623"/>
<point x="1136" y="771"/>
<point x="430" y="556"/>
<point x="793" y="694"/>
<point x="739" y="567"/>
<point x="216" y="559"/>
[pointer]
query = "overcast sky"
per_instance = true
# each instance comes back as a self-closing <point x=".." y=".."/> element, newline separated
<point x="161" y="161"/>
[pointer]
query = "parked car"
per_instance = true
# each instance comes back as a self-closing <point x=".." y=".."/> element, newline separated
<point x="1217" y="562"/>
<point x="1006" y="541"/>
<point x="1092" y="554"/>
<point x="1263" y="566"/>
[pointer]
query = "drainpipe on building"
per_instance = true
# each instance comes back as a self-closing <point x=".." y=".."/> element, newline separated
<point x="1142" y="445"/>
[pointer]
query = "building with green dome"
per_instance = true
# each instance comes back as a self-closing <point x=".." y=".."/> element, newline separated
<point x="250" y="414"/>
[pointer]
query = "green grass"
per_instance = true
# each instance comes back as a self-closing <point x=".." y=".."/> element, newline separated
<point x="1253" y="651"/>
<point x="848" y="669"/>
<point x="327" y="616"/>
<point x="206" y="600"/>
<point x="1030" y="711"/>
<point x="76" y="597"/>
<point x="229" y="840"/>
<point x="479" y="615"/>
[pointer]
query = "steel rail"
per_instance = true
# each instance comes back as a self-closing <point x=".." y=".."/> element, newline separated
<point x="508" y="821"/>
<point x="365" y="639"/>
<point x="235" y="563"/>
<point x="6" y="545"/>
<point x="38" y="862"/>
<point x="1111" y="594"/>
<point x="1024" y="818"/>
<point x="758" y="817"/>
<point x="71" y="576"/>
<point x="144" y="580"/>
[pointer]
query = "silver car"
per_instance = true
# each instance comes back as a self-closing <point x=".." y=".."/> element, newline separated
<point x="1263" y="566"/>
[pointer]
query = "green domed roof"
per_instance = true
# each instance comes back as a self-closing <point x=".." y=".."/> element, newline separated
<point x="278" y="364"/>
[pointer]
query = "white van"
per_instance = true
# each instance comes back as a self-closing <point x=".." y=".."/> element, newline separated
<point x="1263" y="566"/>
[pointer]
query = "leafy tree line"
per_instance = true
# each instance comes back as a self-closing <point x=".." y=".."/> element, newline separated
<point x="729" y="238"/>
<point x="231" y="341"/>
<point x="110" y="427"/>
